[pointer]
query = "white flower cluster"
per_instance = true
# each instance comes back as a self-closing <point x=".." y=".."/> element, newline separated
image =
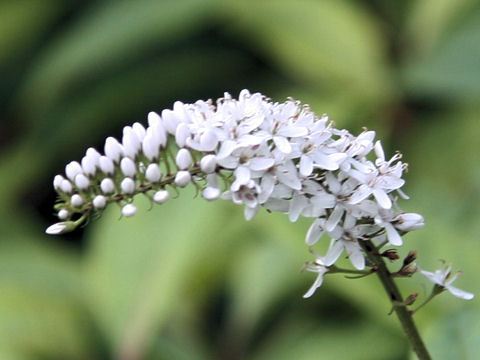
<point x="281" y="155"/>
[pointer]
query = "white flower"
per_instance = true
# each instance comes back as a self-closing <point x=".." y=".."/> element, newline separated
<point x="442" y="278"/>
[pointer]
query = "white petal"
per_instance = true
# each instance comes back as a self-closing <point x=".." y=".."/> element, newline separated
<point x="322" y="161"/>
<point x="287" y="174"/>
<point x="282" y="144"/>
<point x="382" y="198"/>
<point x="293" y="131"/>
<point x="261" y="163"/>
<point x="250" y="212"/>
<point x="317" y="283"/>
<point x="360" y="194"/>
<point x="355" y="254"/>
<point x="460" y="293"/>
<point x="306" y="165"/>
<point x="333" y="183"/>
<point x="393" y="236"/>
<point x="297" y="204"/>
<point x="334" y="218"/>
<point x="333" y="253"/>
<point x="314" y="232"/>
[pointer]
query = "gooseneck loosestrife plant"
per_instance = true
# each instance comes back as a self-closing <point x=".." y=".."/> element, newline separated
<point x="259" y="153"/>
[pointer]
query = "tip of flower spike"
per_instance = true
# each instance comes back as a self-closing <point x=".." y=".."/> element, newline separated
<point x="61" y="228"/>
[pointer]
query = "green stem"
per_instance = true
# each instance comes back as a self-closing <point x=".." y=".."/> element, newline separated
<point x="403" y="314"/>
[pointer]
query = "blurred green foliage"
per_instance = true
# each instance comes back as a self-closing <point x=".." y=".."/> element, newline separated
<point x="192" y="280"/>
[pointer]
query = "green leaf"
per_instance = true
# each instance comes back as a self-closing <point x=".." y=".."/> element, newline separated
<point x="455" y="336"/>
<point x="328" y="44"/>
<point x="41" y="309"/>
<point x="21" y="24"/>
<point x="108" y="36"/>
<point x="142" y="270"/>
<point x="428" y="22"/>
<point x="453" y="69"/>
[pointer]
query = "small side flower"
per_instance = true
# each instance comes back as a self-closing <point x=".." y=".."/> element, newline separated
<point x="443" y="281"/>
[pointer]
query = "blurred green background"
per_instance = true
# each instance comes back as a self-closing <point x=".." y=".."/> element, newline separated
<point x="191" y="279"/>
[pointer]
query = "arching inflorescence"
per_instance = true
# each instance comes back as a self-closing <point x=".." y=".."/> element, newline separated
<point x="257" y="153"/>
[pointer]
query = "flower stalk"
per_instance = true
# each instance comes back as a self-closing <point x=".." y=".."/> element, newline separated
<point x="398" y="304"/>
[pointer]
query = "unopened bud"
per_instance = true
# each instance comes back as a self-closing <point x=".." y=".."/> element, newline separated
<point x="390" y="254"/>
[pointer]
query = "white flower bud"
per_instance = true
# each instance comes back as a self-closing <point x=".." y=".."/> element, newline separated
<point x="127" y="185"/>
<point x="182" y="178"/>
<point x="93" y="154"/>
<point x="129" y="210"/>
<point x="153" y="173"/>
<point x="128" y="167"/>
<point x="409" y="222"/>
<point x="66" y="186"/>
<point x="208" y="164"/>
<point x="63" y="214"/>
<point x="153" y="119"/>
<point x="57" y="182"/>
<point x="181" y="134"/>
<point x="106" y="165"/>
<point x="76" y="200"/>
<point x="99" y="201"/>
<point x="61" y="228"/>
<point x="161" y="196"/>
<point x="107" y="185"/>
<point x="208" y="140"/>
<point x="73" y="169"/>
<point x="170" y="121"/>
<point x="183" y="159"/>
<point x="150" y="146"/>
<point x="139" y="130"/>
<point x="82" y="182"/>
<point x="113" y="149"/>
<point x="89" y="165"/>
<point x="131" y="143"/>
<point x="211" y="193"/>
